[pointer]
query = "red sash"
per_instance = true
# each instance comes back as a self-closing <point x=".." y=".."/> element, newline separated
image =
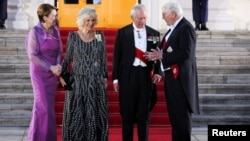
<point x="140" y="55"/>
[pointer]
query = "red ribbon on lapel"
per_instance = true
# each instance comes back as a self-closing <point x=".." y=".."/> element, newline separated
<point x="175" y="70"/>
<point x="140" y="55"/>
<point x="164" y="44"/>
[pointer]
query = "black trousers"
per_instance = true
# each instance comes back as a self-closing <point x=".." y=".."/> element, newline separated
<point x="200" y="10"/>
<point x="3" y="10"/>
<point x="178" y="108"/>
<point x="134" y="104"/>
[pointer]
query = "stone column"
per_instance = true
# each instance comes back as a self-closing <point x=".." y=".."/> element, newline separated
<point x="17" y="19"/>
<point x="30" y="8"/>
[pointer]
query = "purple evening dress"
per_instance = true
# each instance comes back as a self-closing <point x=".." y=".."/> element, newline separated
<point x="43" y="50"/>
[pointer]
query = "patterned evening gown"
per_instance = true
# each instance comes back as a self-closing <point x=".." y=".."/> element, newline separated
<point x="85" y="109"/>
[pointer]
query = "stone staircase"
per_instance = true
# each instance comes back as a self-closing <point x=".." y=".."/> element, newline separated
<point x="223" y="60"/>
<point x="16" y="96"/>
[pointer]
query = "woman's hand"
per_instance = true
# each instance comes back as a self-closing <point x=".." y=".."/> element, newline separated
<point x="56" y="69"/>
<point x="63" y="83"/>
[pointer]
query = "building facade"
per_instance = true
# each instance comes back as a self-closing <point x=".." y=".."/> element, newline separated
<point x="223" y="15"/>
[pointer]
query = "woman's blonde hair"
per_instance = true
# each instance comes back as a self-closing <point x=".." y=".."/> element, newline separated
<point x="84" y="13"/>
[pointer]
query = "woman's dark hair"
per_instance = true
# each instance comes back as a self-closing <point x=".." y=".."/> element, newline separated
<point x="44" y="10"/>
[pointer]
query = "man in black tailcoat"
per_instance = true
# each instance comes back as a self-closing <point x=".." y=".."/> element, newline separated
<point x="178" y="59"/>
<point x="133" y="76"/>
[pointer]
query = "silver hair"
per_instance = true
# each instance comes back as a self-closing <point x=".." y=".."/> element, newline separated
<point x="136" y="8"/>
<point x="84" y="13"/>
<point x="173" y="6"/>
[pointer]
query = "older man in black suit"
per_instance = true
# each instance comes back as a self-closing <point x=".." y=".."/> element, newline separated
<point x="3" y="13"/>
<point x="179" y="65"/>
<point x="134" y="76"/>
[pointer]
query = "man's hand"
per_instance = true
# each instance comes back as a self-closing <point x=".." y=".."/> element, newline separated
<point x="155" y="54"/>
<point x="116" y="87"/>
<point x="156" y="78"/>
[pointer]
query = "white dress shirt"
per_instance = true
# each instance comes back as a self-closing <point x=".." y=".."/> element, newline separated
<point x="172" y="27"/>
<point x="140" y="38"/>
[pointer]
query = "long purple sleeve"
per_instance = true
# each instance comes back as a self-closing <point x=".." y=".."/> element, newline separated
<point x="34" y="40"/>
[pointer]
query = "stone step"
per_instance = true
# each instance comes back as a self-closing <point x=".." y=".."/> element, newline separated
<point x="223" y="60"/>
<point x="214" y="99"/>
<point x="14" y="78"/>
<point x="13" y="33"/>
<point x="222" y="48"/>
<point x="224" y="88"/>
<point x="10" y="50"/>
<point x="15" y="114"/>
<point x="224" y="78"/>
<point x="222" y="69"/>
<point x="16" y="88"/>
<point x="14" y="68"/>
<point x="204" y="120"/>
<point x="223" y="35"/>
<point x="221" y="51"/>
<point x="15" y="121"/>
<point x="16" y="98"/>
<point x="12" y="41"/>
<point x="225" y="109"/>
<point x="233" y="42"/>
<point x="15" y="109"/>
<point x="14" y="59"/>
<point x="210" y="53"/>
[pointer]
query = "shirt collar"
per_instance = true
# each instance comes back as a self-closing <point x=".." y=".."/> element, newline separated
<point x="138" y="29"/>
<point x="172" y="27"/>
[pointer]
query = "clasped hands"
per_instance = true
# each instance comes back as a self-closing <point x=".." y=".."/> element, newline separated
<point x="155" y="54"/>
<point x="56" y="69"/>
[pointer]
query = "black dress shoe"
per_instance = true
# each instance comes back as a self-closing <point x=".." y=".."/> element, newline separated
<point x="197" y="26"/>
<point x="2" y="24"/>
<point x="204" y="27"/>
<point x="2" y="27"/>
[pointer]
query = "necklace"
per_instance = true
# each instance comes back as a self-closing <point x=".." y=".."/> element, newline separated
<point x="87" y="36"/>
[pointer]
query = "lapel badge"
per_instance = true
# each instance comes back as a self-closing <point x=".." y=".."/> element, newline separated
<point x="156" y="39"/>
<point x="98" y="37"/>
<point x="169" y="49"/>
<point x="150" y="38"/>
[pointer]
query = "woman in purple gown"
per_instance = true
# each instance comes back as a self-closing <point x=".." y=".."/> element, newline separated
<point x="44" y="48"/>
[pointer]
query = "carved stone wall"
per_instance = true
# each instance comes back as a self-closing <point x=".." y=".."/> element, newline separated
<point x="17" y="18"/>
